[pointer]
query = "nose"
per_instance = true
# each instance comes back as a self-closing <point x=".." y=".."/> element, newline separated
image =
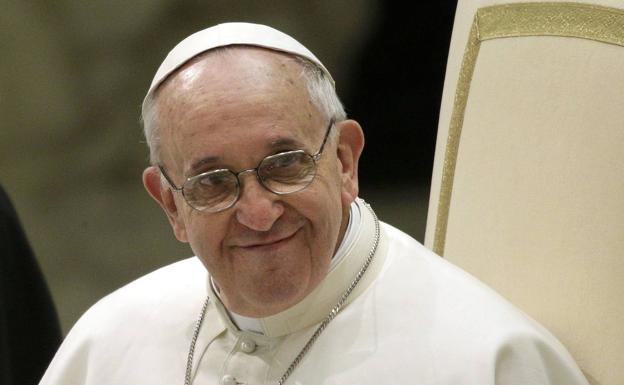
<point x="257" y="208"/>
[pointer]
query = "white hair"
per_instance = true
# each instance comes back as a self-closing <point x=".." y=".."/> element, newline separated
<point x="320" y="89"/>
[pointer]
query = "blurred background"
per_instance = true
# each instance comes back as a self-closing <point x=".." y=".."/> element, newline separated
<point x="72" y="78"/>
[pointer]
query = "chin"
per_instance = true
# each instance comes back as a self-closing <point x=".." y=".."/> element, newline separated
<point x="275" y="295"/>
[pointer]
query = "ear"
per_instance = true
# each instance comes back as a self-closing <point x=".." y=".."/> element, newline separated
<point x="163" y="195"/>
<point x="350" y="145"/>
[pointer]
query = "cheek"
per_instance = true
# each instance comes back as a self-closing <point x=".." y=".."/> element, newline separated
<point x="323" y="208"/>
<point x="327" y="192"/>
<point x="332" y="175"/>
<point x="205" y="236"/>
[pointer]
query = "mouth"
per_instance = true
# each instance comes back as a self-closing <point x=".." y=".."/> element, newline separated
<point x="269" y="243"/>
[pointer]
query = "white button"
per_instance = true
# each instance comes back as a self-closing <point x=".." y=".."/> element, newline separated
<point x="228" y="380"/>
<point x="248" y="346"/>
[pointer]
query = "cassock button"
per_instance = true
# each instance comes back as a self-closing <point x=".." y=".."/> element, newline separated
<point x="248" y="346"/>
<point x="228" y="380"/>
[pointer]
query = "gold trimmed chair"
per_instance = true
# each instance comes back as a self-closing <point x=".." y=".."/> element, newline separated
<point x="528" y="183"/>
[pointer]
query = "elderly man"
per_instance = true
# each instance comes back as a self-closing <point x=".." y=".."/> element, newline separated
<point x="296" y="281"/>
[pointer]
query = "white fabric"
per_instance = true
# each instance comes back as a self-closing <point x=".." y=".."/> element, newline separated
<point x="355" y="218"/>
<point x="230" y="34"/>
<point x="414" y="319"/>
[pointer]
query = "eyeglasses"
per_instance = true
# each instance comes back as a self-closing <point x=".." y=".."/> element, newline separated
<point x="284" y="173"/>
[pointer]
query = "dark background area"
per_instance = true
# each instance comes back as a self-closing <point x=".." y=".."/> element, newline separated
<point x="396" y="90"/>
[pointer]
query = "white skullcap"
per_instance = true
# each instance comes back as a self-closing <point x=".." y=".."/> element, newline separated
<point x="230" y="34"/>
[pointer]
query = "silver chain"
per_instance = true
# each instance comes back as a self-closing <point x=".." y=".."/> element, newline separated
<point x="332" y="314"/>
<point x="191" y="353"/>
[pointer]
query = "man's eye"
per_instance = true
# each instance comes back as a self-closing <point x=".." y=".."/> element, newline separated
<point x="214" y="180"/>
<point x="285" y="160"/>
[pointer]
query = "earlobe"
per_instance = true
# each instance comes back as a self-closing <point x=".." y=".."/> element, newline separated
<point x="164" y="197"/>
<point x="350" y="145"/>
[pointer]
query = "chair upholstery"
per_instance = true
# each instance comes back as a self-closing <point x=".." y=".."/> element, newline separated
<point x="528" y="183"/>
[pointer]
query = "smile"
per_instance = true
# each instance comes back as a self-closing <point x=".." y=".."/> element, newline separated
<point x="270" y="243"/>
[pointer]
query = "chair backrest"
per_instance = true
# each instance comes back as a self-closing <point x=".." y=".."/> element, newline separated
<point x="528" y="183"/>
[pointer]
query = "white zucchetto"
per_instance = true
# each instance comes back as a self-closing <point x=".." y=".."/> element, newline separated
<point x="226" y="34"/>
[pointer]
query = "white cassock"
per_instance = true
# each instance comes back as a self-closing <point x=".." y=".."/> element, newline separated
<point x="413" y="319"/>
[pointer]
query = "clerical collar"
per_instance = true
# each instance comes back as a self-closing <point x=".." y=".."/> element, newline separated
<point x="349" y="236"/>
<point x="254" y="324"/>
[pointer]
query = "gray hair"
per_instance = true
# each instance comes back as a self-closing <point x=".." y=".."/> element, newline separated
<point x="320" y="89"/>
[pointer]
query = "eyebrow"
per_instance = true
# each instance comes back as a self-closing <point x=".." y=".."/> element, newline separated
<point x="198" y="165"/>
<point x="284" y="142"/>
<point x="281" y="142"/>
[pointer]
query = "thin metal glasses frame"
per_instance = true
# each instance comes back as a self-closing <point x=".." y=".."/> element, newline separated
<point x="315" y="158"/>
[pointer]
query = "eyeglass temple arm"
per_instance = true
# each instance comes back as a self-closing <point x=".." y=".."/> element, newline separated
<point x="320" y="151"/>
<point x="173" y="186"/>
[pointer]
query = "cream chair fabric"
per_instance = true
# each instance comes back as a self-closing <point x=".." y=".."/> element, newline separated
<point x="528" y="183"/>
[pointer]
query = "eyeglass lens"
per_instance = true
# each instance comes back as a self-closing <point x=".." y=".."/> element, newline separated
<point x="283" y="173"/>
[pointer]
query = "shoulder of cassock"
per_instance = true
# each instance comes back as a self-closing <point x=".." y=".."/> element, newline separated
<point x="471" y="333"/>
<point x="153" y="316"/>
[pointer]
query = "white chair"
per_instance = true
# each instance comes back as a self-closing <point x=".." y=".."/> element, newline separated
<point x="528" y="183"/>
